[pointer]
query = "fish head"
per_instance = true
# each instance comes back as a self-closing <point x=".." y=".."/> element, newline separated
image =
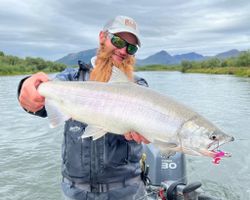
<point x="200" y="137"/>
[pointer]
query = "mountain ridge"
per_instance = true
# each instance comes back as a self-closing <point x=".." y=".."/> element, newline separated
<point x="162" y="57"/>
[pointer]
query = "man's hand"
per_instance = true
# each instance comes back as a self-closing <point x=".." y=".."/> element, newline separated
<point x="29" y="97"/>
<point x="136" y="137"/>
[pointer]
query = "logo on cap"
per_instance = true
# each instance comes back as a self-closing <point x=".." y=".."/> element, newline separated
<point x="130" y="23"/>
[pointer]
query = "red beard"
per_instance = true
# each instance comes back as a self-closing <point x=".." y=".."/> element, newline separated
<point x="104" y="63"/>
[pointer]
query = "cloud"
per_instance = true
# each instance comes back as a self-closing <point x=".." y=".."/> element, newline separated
<point x="52" y="29"/>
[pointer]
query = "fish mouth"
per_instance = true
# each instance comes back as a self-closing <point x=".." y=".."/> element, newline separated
<point x="214" y="148"/>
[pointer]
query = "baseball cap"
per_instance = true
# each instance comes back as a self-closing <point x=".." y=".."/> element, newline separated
<point x="123" y="24"/>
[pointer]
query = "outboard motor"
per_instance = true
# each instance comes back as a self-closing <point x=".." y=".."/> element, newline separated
<point x="162" y="167"/>
<point x="165" y="177"/>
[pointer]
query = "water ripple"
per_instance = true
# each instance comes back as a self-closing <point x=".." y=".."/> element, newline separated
<point x="30" y="151"/>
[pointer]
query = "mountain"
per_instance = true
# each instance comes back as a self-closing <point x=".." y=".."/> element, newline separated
<point x="72" y="59"/>
<point x="165" y="58"/>
<point x="227" y="54"/>
<point x="161" y="57"/>
<point x="189" y="56"/>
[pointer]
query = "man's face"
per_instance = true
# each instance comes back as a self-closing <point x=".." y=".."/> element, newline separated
<point x="118" y="55"/>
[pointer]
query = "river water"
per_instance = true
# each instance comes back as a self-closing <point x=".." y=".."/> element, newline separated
<point x="31" y="152"/>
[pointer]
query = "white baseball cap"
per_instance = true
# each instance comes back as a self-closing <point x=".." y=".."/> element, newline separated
<point x="123" y="24"/>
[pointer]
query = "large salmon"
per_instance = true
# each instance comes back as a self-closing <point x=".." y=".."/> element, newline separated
<point x="120" y="106"/>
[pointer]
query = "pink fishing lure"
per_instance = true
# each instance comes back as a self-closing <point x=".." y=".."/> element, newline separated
<point x="218" y="156"/>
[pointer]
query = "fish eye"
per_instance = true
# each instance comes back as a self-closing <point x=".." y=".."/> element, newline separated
<point x="213" y="137"/>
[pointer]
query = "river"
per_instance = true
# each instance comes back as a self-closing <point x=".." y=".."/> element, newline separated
<point x="31" y="152"/>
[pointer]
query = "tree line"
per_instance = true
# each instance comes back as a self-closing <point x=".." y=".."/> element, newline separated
<point x="12" y="65"/>
<point x="239" y="66"/>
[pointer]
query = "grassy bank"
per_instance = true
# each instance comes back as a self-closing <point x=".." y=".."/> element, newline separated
<point x="237" y="71"/>
<point x="239" y="66"/>
<point x="159" y="68"/>
<point x="9" y="70"/>
<point x="12" y="65"/>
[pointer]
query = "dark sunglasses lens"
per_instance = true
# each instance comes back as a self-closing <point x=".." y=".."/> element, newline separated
<point x="131" y="49"/>
<point x="118" y="42"/>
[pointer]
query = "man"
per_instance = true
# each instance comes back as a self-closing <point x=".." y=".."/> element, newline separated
<point x="107" y="168"/>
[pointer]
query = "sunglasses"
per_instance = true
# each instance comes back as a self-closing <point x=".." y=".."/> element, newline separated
<point x="121" y="43"/>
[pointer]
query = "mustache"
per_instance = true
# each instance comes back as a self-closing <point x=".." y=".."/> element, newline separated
<point x="104" y="63"/>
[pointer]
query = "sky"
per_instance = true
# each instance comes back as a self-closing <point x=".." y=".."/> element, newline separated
<point x="51" y="29"/>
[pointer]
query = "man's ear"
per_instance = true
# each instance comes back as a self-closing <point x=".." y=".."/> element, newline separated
<point x="102" y="37"/>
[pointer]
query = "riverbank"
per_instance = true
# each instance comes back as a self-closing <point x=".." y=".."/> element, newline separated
<point x="15" y="73"/>
<point x="238" y="66"/>
<point x="237" y="71"/>
<point x="13" y="65"/>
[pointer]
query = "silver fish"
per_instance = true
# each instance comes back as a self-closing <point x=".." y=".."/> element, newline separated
<point x="120" y="106"/>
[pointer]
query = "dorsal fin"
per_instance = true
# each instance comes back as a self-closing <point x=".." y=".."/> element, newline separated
<point x="118" y="76"/>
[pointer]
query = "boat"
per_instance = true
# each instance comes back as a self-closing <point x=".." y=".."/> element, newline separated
<point x="165" y="177"/>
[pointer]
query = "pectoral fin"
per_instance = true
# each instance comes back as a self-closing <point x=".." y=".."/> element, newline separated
<point x="55" y="116"/>
<point x="93" y="131"/>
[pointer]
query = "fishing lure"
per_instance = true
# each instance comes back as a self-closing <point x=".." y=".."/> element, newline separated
<point x="218" y="156"/>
